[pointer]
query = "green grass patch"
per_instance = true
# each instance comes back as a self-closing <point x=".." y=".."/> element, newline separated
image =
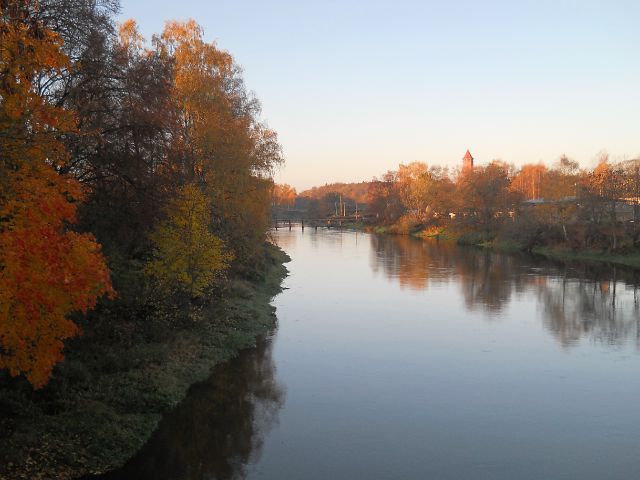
<point x="631" y="259"/>
<point x="476" y="237"/>
<point x="505" y="246"/>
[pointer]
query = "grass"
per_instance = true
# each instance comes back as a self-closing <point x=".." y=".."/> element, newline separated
<point x="379" y="229"/>
<point x="485" y="240"/>
<point x="104" y="402"/>
<point x="630" y="260"/>
<point x="440" y="233"/>
<point x="505" y="246"/>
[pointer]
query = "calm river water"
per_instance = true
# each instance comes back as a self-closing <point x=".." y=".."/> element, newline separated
<point x="396" y="358"/>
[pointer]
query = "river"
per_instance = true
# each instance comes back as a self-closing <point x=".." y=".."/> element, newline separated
<point x="396" y="358"/>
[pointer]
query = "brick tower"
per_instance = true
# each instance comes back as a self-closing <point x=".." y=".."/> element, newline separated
<point x="467" y="161"/>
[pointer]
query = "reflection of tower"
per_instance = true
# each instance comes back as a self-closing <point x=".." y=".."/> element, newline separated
<point x="467" y="162"/>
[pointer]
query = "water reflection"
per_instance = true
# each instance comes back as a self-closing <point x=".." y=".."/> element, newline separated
<point x="219" y="428"/>
<point x="597" y="302"/>
<point x="598" y="309"/>
<point x="394" y="374"/>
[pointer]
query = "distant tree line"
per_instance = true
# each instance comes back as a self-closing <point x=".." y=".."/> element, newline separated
<point x="132" y="175"/>
<point x="356" y="192"/>
<point x="334" y="199"/>
<point x="533" y="205"/>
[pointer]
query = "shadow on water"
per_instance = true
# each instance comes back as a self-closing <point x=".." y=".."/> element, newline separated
<point x="218" y="429"/>
<point x="601" y="302"/>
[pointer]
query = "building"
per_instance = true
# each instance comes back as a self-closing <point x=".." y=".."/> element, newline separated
<point x="467" y="162"/>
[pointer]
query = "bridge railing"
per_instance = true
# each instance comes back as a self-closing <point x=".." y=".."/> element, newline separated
<point x="327" y="222"/>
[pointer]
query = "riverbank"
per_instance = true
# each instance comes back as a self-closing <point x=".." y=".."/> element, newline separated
<point x="631" y="258"/>
<point x="628" y="260"/>
<point x="101" y="408"/>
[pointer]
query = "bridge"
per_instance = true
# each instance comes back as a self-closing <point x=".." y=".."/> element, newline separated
<point x="327" y="222"/>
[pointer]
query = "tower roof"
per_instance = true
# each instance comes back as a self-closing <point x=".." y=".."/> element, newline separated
<point x="467" y="156"/>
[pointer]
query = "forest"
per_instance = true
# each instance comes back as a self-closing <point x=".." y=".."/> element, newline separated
<point x="135" y="191"/>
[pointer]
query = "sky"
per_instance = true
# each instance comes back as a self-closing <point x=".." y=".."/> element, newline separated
<point x="355" y="88"/>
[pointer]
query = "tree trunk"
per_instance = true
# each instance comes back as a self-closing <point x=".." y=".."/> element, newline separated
<point x="614" y="237"/>
<point x="564" y="231"/>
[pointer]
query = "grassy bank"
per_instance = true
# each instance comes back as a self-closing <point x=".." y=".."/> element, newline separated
<point x="627" y="259"/>
<point x="416" y="230"/>
<point x="631" y="259"/>
<point x="499" y="243"/>
<point x="104" y="402"/>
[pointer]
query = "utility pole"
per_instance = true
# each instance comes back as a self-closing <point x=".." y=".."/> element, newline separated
<point x="637" y="193"/>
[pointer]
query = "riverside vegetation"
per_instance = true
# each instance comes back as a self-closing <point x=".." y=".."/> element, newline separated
<point x="135" y="188"/>
<point x="562" y="211"/>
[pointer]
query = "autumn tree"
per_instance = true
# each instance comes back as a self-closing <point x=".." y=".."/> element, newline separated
<point x="357" y="192"/>
<point x="47" y="271"/>
<point x="29" y="125"/>
<point x="560" y="188"/>
<point x="426" y="192"/>
<point x="529" y="180"/>
<point x="602" y="191"/>
<point x="284" y="195"/>
<point x="484" y="193"/>
<point x="412" y="183"/>
<point x="384" y="198"/>
<point x="187" y="256"/>
<point x="438" y="191"/>
<point x="123" y="150"/>
<point x="561" y="180"/>
<point x="221" y="141"/>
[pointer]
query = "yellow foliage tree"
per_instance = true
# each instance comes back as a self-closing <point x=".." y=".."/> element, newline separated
<point x="530" y="180"/>
<point x="225" y="147"/>
<point x="188" y="256"/>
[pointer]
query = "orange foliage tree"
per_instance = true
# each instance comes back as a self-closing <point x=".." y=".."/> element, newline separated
<point x="529" y="180"/>
<point x="223" y="145"/>
<point x="283" y="194"/>
<point x="46" y="270"/>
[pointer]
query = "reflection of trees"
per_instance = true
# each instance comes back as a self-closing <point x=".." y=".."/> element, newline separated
<point x="414" y="263"/>
<point x="284" y="239"/>
<point x="599" y="308"/>
<point x="487" y="279"/>
<point x="576" y="301"/>
<point x="219" y="428"/>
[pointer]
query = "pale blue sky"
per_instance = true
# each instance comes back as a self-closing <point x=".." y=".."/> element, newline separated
<point x="355" y="87"/>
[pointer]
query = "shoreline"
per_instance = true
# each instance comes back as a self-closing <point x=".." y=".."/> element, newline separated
<point x="102" y="421"/>
<point x="631" y="260"/>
